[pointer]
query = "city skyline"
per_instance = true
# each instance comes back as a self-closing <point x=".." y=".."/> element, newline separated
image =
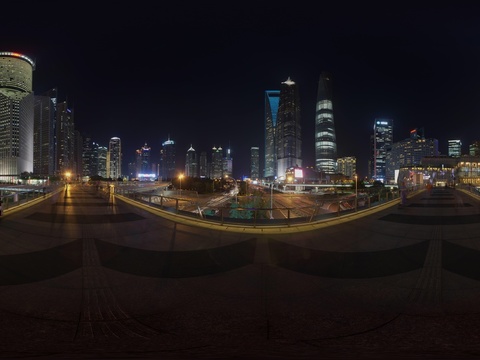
<point x="199" y="75"/>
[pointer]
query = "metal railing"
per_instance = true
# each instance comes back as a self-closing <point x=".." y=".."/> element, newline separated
<point x="323" y="208"/>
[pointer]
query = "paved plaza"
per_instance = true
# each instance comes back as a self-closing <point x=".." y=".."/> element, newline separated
<point x="89" y="276"/>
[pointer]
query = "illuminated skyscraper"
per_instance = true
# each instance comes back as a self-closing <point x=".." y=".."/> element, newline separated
<point x="114" y="158"/>
<point x="65" y="140"/>
<point x="102" y="161"/>
<point x="142" y="162"/>
<point x="191" y="164"/>
<point x="288" y="140"/>
<point x="325" y="138"/>
<point x="254" y="162"/>
<point x="89" y="156"/>
<point x="217" y="163"/>
<point x="382" y="141"/>
<point x="272" y="98"/>
<point x="44" y="133"/>
<point x="167" y="160"/>
<point x="16" y="115"/>
<point x="455" y="148"/>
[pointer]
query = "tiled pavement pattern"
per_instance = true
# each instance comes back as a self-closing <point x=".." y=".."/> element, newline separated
<point x="82" y="276"/>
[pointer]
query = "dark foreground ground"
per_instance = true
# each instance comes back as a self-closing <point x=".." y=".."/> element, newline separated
<point x="86" y="277"/>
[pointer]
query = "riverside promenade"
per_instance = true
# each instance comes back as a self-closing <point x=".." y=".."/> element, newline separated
<point x="84" y="276"/>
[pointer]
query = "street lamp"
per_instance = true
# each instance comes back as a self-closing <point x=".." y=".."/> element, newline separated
<point x="271" y="200"/>
<point x="180" y="177"/>
<point x="356" y="191"/>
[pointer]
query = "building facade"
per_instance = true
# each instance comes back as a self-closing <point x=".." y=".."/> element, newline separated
<point x="347" y="166"/>
<point x="16" y="115"/>
<point x="382" y="140"/>
<point x="114" y="158"/>
<point x="102" y="161"/>
<point x="44" y="145"/>
<point x="288" y="132"/>
<point x="90" y="157"/>
<point x="325" y="136"/>
<point x="191" y="163"/>
<point x="167" y="169"/>
<point x="143" y="163"/>
<point x="455" y="148"/>
<point x="272" y="98"/>
<point x="254" y="162"/>
<point x="217" y="163"/>
<point x="409" y="153"/>
<point x="65" y="140"/>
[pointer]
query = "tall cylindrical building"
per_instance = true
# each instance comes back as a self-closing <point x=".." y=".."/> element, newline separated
<point x="325" y="138"/>
<point x="16" y="115"/>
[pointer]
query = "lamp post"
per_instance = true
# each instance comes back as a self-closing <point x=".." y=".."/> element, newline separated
<point x="271" y="200"/>
<point x="180" y="177"/>
<point x="356" y="191"/>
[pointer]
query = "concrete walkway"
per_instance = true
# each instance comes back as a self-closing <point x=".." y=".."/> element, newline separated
<point x="82" y="276"/>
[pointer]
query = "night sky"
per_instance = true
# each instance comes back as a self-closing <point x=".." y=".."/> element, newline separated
<point x="197" y="71"/>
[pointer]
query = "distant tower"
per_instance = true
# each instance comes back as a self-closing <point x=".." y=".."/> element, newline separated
<point x="90" y="156"/>
<point x="382" y="141"/>
<point x="227" y="164"/>
<point x="203" y="165"/>
<point x="143" y="161"/>
<point x="254" y="163"/>
<point x="167" y="160"/>
<point x="65" y="134"/>
<point x="102" y="161"/>
<point x="455" y="148"/>
<point x="288" y="130"/>
<point x="44" y="133"/>
<point x="474" y="148"/>
<point x="191" y="164"/>
<point x="16" y="115"/>
<point x="272" y="98"/>
<point x="217" y="163"/>
<point x="325" y="138"/>
<point x="114" y="158"/>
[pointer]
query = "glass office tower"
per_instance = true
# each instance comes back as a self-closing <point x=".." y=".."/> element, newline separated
<point x="16" y="115"/>
<point x="45" y="110"/>
<point x="114" y="158"/>
<point x="325" y="138"/>
<point x="167" y="160"/>
<point x="382" y="144"/>
<point x="254" y="162"/>
<point x="272" y="98"/>
<point x="288" y="137"/>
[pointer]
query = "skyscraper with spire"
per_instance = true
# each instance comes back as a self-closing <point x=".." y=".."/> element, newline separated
<point x="325" y="138"/>
<point x="288" y="137"/>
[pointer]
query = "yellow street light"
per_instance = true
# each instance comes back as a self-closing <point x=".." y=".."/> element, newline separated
<point x="180" y="177"/>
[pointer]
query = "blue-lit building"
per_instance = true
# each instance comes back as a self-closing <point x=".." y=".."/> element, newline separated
<point x="272" y="98"/>
<point x="288" y="132"/>
<point x="325" y="137"/>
